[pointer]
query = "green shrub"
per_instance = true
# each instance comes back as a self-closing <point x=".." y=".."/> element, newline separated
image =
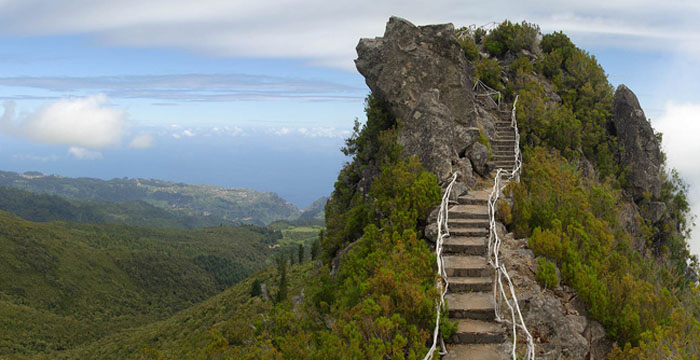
<point x="471" y="51"/>
<point x="547" y="273"/>
<point x="511" y="37"/>
<point x="489" y="72"/>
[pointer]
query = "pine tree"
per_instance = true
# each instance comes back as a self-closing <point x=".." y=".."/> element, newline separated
<point x="282" y="289"/>
<point x="315" y="247"/>
<point x="256" y="288"/>
<point x="301" y="253"/>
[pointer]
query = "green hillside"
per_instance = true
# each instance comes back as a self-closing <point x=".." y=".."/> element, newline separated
<point x="202" y="331"/>
<point x="230" y="204"/>
<point x="62" y="284"/>
<point x="44" y="207"/>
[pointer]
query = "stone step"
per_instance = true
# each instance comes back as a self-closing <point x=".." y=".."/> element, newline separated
<point x="478" y="332"/>
<point x="501" y="164"/>
<point x="469" y="212"/>
<point x="464" y="245"/>
<point x="510" y="142"/>
<point x="471" y="305"/>
<point x="478" y="197"/>
<point x="503" y="153"/>
<point x="465" y="200"/>
<point x="509" y="157"/>
<point x="469" y="232"/>
<point x="466" y="266"/>
<point x="503" y="147"/>
<point x="468" y="224"/>
<point x="476" y="352"/>
<point x="469" y="284"/>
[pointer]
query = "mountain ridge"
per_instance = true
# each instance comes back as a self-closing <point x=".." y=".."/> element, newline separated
<point x="232" y="205"/>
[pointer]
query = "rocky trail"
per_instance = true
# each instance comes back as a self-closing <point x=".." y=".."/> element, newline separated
<point x="470" y="293"/>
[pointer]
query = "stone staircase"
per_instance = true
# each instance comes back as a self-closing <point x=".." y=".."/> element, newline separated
<point x="470" y="293"/>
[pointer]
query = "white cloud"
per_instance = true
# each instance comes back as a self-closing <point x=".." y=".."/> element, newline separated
<point x="315" y="132"/>
<point x="83" y="122"/>
<point x="680" y="125"/>
<point x="84" y="154"/>
<point x="188" y="133"/>
<point x="326" y="32"/>
<point x="142" y="141"/>
<point x="282" y="131"/>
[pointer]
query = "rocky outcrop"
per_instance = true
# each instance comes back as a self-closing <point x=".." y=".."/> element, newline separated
<point x="410" y="60"/>
<point x="639" y="147"/>
<point x="429" y="132"/>
<point x="422" y="75"/>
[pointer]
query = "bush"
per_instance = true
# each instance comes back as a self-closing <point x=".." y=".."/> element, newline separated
<point x="547" y="273"/>
<point x="471" y="51"/>
<point x="511" y="37"/>
<point x="489" y="72"/>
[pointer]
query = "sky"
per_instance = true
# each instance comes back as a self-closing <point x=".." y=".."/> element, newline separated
<point x="261" y="94"/>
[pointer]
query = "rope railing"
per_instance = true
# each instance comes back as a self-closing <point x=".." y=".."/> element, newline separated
<point x="494" y="245"/>
<point x="441" y="282"/>
<point x="483" y="90"/>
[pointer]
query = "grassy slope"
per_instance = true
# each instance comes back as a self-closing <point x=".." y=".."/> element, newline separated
<point x="186" y="334"/>
<point x="62" y="284"/>
<point x="227" y="203"/>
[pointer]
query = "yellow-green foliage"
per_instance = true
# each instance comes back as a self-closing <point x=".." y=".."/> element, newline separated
<point x="586" y="96"/>
<point x="547" y="273"/>
<point x="489" y="71"/>
<point x="573" y="222"/>
<point x="511" y="37"/>
<point x="471" y="50"/>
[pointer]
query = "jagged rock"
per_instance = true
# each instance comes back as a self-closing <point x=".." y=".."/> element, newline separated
<point x="410" y="60"/>
<point x="465" y="172"/>
<point x="263" y="290"/>
<point x="428" y="132"/>
<point x="430" y="232"/>
<point x="458" y="189"/>
<point x="479" y="155"/>
<point x="464" y="138"/>
<point x="654" y="211"/>
<point x="640" y="150"/>
<point x="485" y="120"/>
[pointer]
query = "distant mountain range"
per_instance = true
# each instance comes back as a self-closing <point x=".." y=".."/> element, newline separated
<point x="148" y="202"/>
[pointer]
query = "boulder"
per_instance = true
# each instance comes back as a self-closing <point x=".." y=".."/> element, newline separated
<point x="464" y="138"/>
<point x="428" y="132"/>
<point x="479" y="156"/>
<point x="410" y="60"/>
<point x="640" y="151"/>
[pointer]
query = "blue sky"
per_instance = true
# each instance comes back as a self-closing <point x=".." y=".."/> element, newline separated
<point x="261" y="94"/>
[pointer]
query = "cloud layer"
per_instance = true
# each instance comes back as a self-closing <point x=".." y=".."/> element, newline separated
<point x="680" y="125"/>
<point x="326" y="32"/>
<point x="195" y="87"/>
<point x="88" y="123"/>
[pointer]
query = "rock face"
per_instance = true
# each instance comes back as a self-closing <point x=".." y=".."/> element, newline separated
<point x="411" y="60"/>
<point x="640" y="147"/>
<point x="429" y="132"/>
<point x="422" y="75"/>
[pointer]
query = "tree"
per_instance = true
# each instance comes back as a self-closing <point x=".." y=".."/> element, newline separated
<point x="301" y="253"/>
<point x="256" y="288"/>
<point x="291" y="257"/>
<point x="316" y="246"/>
<point x="282" y="288"/>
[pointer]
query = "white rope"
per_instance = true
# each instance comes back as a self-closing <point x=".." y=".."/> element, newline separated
<point x="487" y="92"/>
<point x="494" y="245"/>
<point x="441" y="282"/>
